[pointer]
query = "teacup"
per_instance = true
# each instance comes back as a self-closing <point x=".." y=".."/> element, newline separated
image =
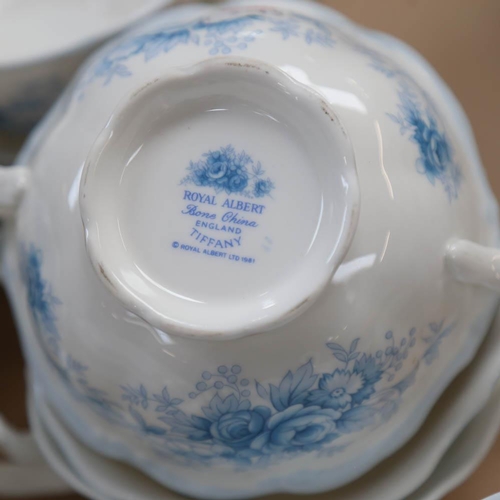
<point x="285" y="223"/>
<point x="44" y="43"/>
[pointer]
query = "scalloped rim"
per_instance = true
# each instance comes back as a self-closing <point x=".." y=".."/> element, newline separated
<point x="463" y="129"/>
<point x="208" y="322"/>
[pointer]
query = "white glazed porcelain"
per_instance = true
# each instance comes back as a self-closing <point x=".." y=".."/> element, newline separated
<point x="465" y="455"/>
<point x="424" y="462"/>
<point x="456" y="466"/>
<point x="43" y="43"/>
<point x="26" y="471"/>
<point x="266" y="294"/>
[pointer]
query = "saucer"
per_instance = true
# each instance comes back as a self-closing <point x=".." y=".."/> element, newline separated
<point x="465" y="454"/>
<point x="430" y="467"/>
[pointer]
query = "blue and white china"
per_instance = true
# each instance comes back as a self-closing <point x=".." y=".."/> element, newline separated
<point x="43" y="43"/>
<point x="255" y="243"/>
<point x="471" y="395"/>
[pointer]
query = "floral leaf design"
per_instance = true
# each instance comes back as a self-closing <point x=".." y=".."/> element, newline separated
<point x="338" y="351"/>
<point x="342" y="354"/>
<point x="148" y="429"/>
<point x="163" y="399"/>
<point x="136" y="396"/>
<point x="219" y="406"/>
<point x="356" y="419"/>
<point x="165" y="403"/>
<point x="293" y="388"/>
<point x="288" y="28"/>
<point x="40" y="298"/>
<point x="372" y="372"/>
<point x="217" y="37"/>
<point x="196" y="429"/>
<point x="438" y="334"/>
<point x="306" y="412"/>
<point x="261" y="391"/>
<point x="418" y="119"/>
<point x="353" y="347"/>
<point x="229" y="171"/>
<point x="421" y="123"/>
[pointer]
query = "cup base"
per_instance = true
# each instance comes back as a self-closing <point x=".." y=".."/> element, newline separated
<point x="220" y="200"/>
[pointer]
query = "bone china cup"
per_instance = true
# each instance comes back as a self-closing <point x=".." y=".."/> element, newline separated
<point x="44" y="42"/>
<point x="249" y="248"/>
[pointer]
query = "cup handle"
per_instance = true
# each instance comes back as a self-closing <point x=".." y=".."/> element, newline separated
<point x="474" y="264"/>
<point x="25" y="471"/>
<point x="13" y="183"/>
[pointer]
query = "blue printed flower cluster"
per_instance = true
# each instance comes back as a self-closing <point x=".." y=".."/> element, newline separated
<point x="39" y="294"/>
<point x="435" y="159"/>
<point x="227" y="170"/>
<point x="221" y="37"/>
<point x="418" y="117"/>
<point x="245" y="422"/>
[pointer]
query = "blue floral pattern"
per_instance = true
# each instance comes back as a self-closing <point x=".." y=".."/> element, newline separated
<point x="417" y="117"/>
<point x="435" y="159"/>
<point x="219" y="37"/>
<point x="39" y="294"/>
<point x="226" y="170"/>
<point x="241" y="421"/>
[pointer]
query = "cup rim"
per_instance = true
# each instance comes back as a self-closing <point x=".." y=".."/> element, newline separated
<point x="88" y="41"/>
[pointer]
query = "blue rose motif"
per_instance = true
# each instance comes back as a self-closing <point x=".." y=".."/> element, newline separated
<point x="336" y="390"/>
<point x="201" y="177"/>
<point x="436" y="155"/>
<point x="237" y="183"/>
<point x="217" y="170"/>
<point x="435" y="159"/>
<point x="217" y="165"/>
<point x="298" y="427"/>
<point x="227" y="170"/>
<point x="302" y="413"/>
<point x="240" y="428"/>
<point x="229" y="422"/>
<point x="262" y="188"/>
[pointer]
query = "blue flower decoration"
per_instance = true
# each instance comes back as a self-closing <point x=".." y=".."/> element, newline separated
<point x="230" y="171"/>
<point x="40" y="298"/>
<point x="371" y="371"/>
<point x="298" y="427"/>
<point x="418" y="117"/>
<point x="303" y="412"/>
<point x="262" y="188"/>
<point x="238" y="429"/>
<point x="217" y="37"/>
<point x="435" y="159"/>
<point x="336" y="390"/>
<point x="421" y="122"/>
<point x="434" y="149"/>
